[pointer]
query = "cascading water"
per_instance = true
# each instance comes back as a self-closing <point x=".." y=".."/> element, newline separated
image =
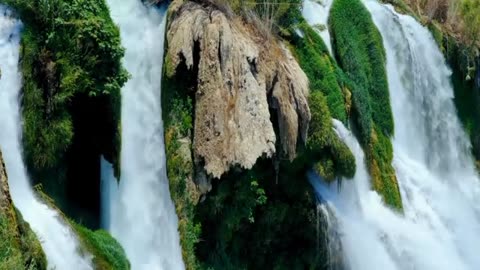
<point x="316" y="13"/>
<point x="440" y="226"/>
<point x="109" y="190"/>
<point x="145" y="222"/>
<point x="57" y="239"/>
<point x="328" y="236"/>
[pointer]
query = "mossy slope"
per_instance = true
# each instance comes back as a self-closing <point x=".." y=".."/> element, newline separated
<point x="359" y="50"/>
<point x="106" y="251"/>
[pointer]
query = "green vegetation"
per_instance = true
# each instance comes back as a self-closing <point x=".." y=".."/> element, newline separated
<point x="359" y="50"/>
<point x="470" y="13"/>
<point x="323" y="145"/>
<point x="467" y="96"/>
<point x="257" y="214"/>
<point x="71" y="66"/>
<point x="178" y="86"/>
<point x="320" y="68"/>
<point x="19" y="247"/>
<point x="69" y="47"/>
<point x="379" y="155"/>
<point x="330" y="96"/>
<point x="107" y="252"/>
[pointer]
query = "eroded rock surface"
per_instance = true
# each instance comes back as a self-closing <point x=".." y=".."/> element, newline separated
<point x="5" y="200"/>
<point x="242" y="78"/>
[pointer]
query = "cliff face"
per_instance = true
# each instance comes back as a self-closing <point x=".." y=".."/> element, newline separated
<point x="5" y="200"/>
<point x="242" y="78"/>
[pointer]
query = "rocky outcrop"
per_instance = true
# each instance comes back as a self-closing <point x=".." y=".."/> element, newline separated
<point x="242" y="76"/>
<point x="5" y="200"/>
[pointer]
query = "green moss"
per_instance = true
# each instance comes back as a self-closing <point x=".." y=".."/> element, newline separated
<point x="178" y="85"/>
<point x="19" y="247"/>
<point x="329" y="97"/>
<point x="437" y="33"/>
<point x="184" y="194"/>
<point x="359" y="49"/>
<point x="320" y="69"/>
<point x="72" y="76"/>
<point x="379" y="155"/>
<point x="69" y="47"/>
<point x="324" y="145"/>
<point x="467" y="96"/>
<point x="107" y="252"/>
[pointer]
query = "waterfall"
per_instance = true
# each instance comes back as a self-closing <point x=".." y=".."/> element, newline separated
<point x="440" y="226"/>
<point x="143" y="217"/>
<point x="316" y="13"/>
<point x="328" y="235"/>
<point x="109" y="193"/>
<point x="57" y="239"/>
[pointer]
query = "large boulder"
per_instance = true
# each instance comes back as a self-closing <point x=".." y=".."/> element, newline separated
<point x="242" y="77"/>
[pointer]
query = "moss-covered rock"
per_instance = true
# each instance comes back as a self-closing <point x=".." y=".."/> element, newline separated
<point x="72" y="76"/>
<point x="359" y="50"/>
<point x="107" y="252"/>
<point x="333" y="157"/>
<point x="249" y="213"/>
<point x="320" y="68"/>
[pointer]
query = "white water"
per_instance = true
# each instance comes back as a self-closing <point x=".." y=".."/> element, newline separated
<point x="316" y="12"/>
<point x="58" y="241"/>
<point x="143" y="218"/>
<point x="440" y="227"/>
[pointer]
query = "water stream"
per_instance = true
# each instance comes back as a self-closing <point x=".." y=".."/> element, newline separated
<point x="316" y="12"/>
<point x="440" y="226"/>
<point x="141" y="213"/>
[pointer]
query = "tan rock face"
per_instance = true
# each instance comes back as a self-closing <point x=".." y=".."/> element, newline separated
<point x="241" y="76"/>
<point x="5" y="200"/>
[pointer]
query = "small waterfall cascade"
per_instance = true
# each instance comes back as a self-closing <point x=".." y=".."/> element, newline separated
<point x="109" y="193"/>
<point x="58" y="240"/>
<point x="141" y="213"/>
<point x="329" y="243"/>
<point x="440" y="226"/>
<point x="316" y="12"/>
